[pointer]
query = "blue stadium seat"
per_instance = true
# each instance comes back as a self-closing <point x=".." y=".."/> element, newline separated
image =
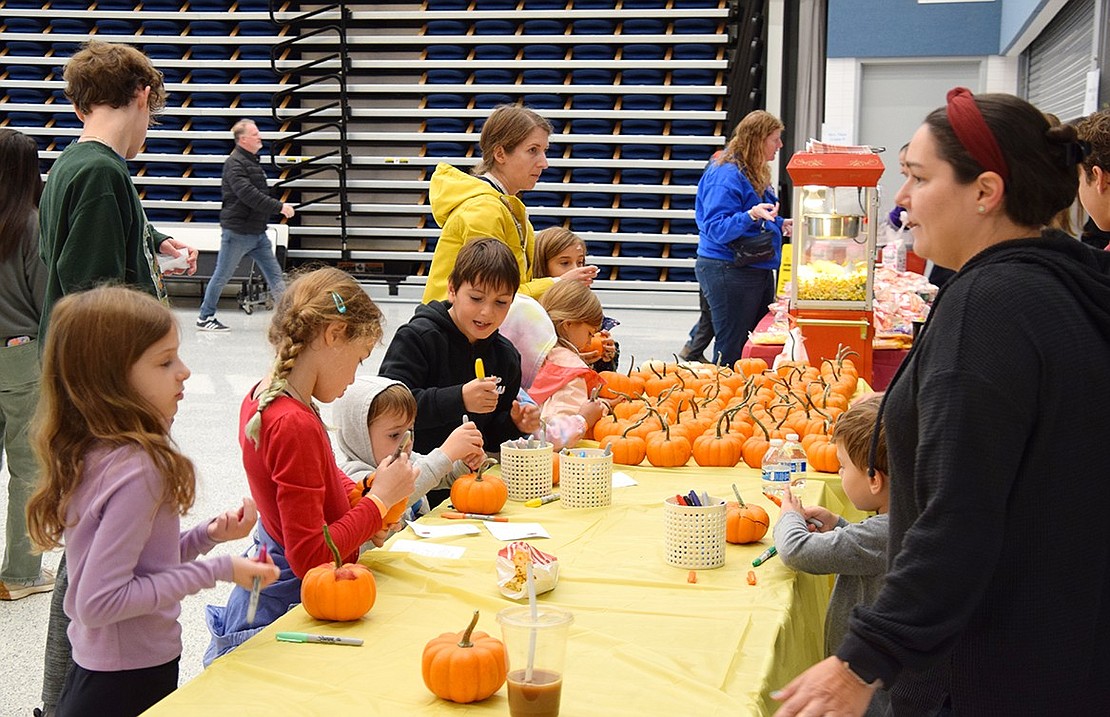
<point x="686" y="177"/>
<point x="109" y="26"/>
<point x="541" y="101"/>
<point x="162" y="5"/>
<point x="211" y="28"/>
<point x="592" y="175"/>
<point x="596" y="200"/>
<point x="23" y="24"/>
<point x="443" y="100"/>
<point x="164" y="169"/>
<point x="643" y="76"/>
<point x="205" y="170"/>
<point x="555" y="149"/>
<point x="700" y="128"/>
<point x="684" y="226"/>
<point x="641" y="226"/>
<point x="28" y="72"/>
<point x="27" y="95"/>
<point x="636" y="175"/>
<point x="594" y="248"/>
<point x="170" y="122"/>
<point x="682" y="201"/>
<point x="593" y="26"/>
<point x="255" y="99"/>
<point x="157" y="145"/>
<point x="696" y="26"/>
<point x="694" y="103"/>
<point x="643" y="26"/>
<point x="205" y="194"/>
<point x="267" y="124"/>
<point x="257" y="77"/>
<point x="589" y="150"/>
<point x="210" y="99"/>
<point x="254" y="52"/>
<point x="210" y="146"/>
<point x="67" y="119"/>
<point x="164" y="28"/>
<point x="495" y="4"/>
<point x="211" y="124"/>
<point x="637" y="225"/>
<point x="591" y="125"/>
<point x="553" y="175"/>
<point x="210" y="52"/>
<point x="489" y="100"/>
<point x="591" y="76"/>
<point x="542" y="222"/>
<point x="158" y="193"/>
<point x="69" y="26"/>
<point x="257" y="28"/>
<point x="544" y="52"/>
<point x="444" y="124"/>
<point x="28" y="119"/>
<point x="693" y="51"/>
<point x="446" y="77"/>
<point x="172" y="74"/>
<point x="641" y="151"/>
<point x="69" y="4"/>
<point x="592" y="102"/>
<point x="543" y="199"/>
<point x="254" y="5"/>
<point x="202" y="5"/>
<point x="637" y="273"/>
<point x="683" y="251"/>
<point x="643" y="102"/>
<point x="164" y="215"/>
<point x="445" y="149"/>
<point x="641" y="201"/>
<point x="593" y="52"/>
<point x="448" y="4"/>
<point x="445" y="52"/>
<point x="687" y="4"/>
<point x="641" y="126"/>
<point x="592" y="224"/>
<point x="543" y="27"/>
<point x="644" y="4"/>
<point x="64" y="49"/>
<point x="693" y="76"/>
<point x="680" y="274"/>
<point x="24" y="4"/>
<point x="493" y="51"/>
<point x="692" y="152"/>
<point x="640" y="51"/>
<point x="493" y="77"/>
<point x="494" y="27"/>
<point x="209" y="76"/>
<point x="594" y="4"/>
<point x="165" y="51"/>
<point x="542" y="77"/>
<point x="445" y="27"/>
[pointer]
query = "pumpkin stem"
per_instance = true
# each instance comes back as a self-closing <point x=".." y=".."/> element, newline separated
<point x="331" y="546"/>
<point x="486" y="465"/>
<point x="465" y="641"/>
<point x="631" y="365"/>
<point x="738" y="498"/>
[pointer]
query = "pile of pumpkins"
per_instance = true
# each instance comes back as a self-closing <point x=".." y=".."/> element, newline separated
<point x="720" y="415"/>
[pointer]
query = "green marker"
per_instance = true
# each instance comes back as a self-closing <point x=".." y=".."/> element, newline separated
<point x="765" y="556"/>
<point x="325" y="639"/>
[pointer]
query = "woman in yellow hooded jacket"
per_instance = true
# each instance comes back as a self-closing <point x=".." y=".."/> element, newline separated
<point x="485" y="204"/>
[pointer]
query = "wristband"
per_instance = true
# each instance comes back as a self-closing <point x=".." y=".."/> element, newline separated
<point x="875" y="684"/>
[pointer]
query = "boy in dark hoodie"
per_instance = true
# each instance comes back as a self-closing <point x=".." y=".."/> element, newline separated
<point x="435" y="354"/>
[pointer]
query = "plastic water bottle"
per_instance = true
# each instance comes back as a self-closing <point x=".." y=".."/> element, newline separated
<point x="776" y="471"/>
<point x="795" y="457"/>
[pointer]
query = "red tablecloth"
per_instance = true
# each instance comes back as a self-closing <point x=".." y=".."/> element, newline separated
<point x="884" y="362"/>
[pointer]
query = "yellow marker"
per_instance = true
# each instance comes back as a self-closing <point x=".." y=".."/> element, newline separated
<point x="479" y="369"/>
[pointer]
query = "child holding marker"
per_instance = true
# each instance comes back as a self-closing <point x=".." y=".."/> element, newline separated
<point x="323" y="327"/>
<point x="441" y="351"/>
<point x="565" y="386"/>
<point x="113" y="488"/>
<point x="374" y="416"/>
<point x="855" y="552"/>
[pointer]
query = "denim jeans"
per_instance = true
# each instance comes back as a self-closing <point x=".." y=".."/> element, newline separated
<point x="702" y="332"/>
<point x="738" y="299"/>
<point x="233" y="247"/>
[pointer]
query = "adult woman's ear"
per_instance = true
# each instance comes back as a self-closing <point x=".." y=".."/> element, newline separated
<point x="992" y="191"/>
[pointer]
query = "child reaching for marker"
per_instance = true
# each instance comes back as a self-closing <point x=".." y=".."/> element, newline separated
<point x="323" y="327"/>
<point x="565" y="387"/>
<point x="855" y="552"/>
<point x="373" y="417"/>
<point x="113" y="488"/>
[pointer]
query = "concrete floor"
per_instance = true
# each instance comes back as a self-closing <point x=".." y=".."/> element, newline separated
<point x="224" y="366"/>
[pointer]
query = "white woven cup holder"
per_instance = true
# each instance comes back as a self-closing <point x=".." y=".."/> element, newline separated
<point x="526" y="471"/>
<point x="585" y="478"/>
<point x="694" y="536"/>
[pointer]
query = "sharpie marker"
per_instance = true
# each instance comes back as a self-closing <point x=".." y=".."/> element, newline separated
<point x="765" y="556"/>
<point x="323" y="639"/>
<point x="537" y="502"/>
<point x="453" y="515"/>
<point x="256" y="588"/>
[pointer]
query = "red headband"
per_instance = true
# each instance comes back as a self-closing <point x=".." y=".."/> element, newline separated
<point x="974" y="134"/>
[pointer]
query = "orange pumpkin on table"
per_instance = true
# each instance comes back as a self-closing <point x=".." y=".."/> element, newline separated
<point x="340" y="591"/>
<point x="479" y="493"/>
<point x="464" y="666"/>
<point x="744" y="522"/>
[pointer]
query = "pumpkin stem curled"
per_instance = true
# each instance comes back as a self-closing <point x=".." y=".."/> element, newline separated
<point x="465" y="641"/>
<point x="331" y="546"/>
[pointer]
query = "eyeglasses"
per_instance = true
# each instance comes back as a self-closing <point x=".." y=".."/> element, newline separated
<point x="340" y="304"/>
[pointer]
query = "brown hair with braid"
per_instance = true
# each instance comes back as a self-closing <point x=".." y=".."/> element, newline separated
<point x="87" y="398"/>
<point x="311" y="302"/>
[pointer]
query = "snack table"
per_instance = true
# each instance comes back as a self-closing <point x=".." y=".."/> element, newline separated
<point x="884" y="362"/>
<point x="644" y="640"/>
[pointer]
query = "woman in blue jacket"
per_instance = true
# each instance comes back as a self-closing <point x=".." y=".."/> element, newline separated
<point x="735" y="199"/>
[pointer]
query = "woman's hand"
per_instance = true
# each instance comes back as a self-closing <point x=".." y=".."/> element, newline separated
<point x="766" y="211"/>
<point x="788" y="227"/>
<point x="828" y="688"/>
<point x="481" y="394"/>
<point x="234" y="524"/>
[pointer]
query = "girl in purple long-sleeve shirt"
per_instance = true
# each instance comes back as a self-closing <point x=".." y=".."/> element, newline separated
<point x="114" y="487"/>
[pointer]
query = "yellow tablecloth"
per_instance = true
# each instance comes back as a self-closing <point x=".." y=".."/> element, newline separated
<point x="644" y="640"/>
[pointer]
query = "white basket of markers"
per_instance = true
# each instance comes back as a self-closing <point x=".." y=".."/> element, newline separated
<point x="526" y="468"/>
<point x="694" y="535"/>
<point x="585" y="478"/>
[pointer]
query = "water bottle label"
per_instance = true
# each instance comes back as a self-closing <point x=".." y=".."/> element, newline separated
<point x="776" y="474"/>
<point x="798" y="465"/>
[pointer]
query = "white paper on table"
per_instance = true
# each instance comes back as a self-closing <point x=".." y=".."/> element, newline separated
<point x="432" y="550"/>
<point x="623" y="480"/>
<point x="442" y="531"/>
<point x="516" y="531"/>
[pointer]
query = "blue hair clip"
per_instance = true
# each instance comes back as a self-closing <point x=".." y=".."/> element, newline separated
<point x="340" y="304"/>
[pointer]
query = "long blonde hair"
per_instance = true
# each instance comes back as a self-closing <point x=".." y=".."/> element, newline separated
<point x="312" y="301"/>
<point x="745" y="148"/>
<point x="550" y="243"/>
<point x="568" y="302"/>
<point x="87" y="398"/>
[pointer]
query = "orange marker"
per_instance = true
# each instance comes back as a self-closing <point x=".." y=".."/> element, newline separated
<point x="751" y="577"/>
<point x="692" y="576"/>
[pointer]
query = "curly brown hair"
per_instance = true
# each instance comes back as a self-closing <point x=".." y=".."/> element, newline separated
<point x="745" y="148"/>
<point x="1094" y="129"/>
<point x="106" y="73"/>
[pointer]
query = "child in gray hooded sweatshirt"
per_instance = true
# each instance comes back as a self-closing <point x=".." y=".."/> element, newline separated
<point x="372" y="417"/>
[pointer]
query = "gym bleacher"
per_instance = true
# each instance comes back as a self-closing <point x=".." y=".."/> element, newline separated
<point x="358" y="102"/>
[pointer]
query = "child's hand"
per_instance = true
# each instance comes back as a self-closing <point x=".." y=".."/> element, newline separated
<point x="464" y="442"/>
<point x="824" y="516"/>
<point x="526" y="416"/>
<point x="234" y="524"/>
<point x="608" y="347"/>
<point x="583" y="274"/>
<point x="394" y="480"/>
<point x="481" y="394"/>
<point x="244" y="570"/>
<point x="592" y="411"/>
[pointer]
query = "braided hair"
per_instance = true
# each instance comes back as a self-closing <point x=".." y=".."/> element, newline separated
<point x="310" y="303"/>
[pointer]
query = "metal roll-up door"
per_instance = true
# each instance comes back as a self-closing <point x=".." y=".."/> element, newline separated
<point x="1058" y="60"/>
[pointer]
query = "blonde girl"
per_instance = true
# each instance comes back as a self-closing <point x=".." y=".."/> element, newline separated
<point x="323" y="327"/>
<point x="113" y="488"/>
<point x="565" y="386"/>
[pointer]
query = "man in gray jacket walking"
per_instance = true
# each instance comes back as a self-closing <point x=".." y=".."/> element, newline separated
<point x="247" y="207"/>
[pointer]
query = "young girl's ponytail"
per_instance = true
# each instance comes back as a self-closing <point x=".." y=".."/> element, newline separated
<point x="311" y="302"/>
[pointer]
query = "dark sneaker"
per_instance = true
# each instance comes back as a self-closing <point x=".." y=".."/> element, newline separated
<point x="211" y="324"/>
<point x="16" y="589"/>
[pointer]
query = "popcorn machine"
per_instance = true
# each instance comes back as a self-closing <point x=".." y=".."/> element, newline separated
<point x="836" y="202"/>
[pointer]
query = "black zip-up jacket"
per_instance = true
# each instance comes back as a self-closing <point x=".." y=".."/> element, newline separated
<point x="247" y="204"/>
<point x="434" y="359"/>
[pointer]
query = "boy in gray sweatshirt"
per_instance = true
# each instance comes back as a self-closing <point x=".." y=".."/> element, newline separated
<point x="855" y="552"/>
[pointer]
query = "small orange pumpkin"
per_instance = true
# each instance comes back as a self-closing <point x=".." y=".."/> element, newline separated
<point x="822" y="455"/>
<point x="744" y="523"/>
<point x="340" y="591"/>
<point x="464" y="666"/>
<point x="479" y="493"/>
